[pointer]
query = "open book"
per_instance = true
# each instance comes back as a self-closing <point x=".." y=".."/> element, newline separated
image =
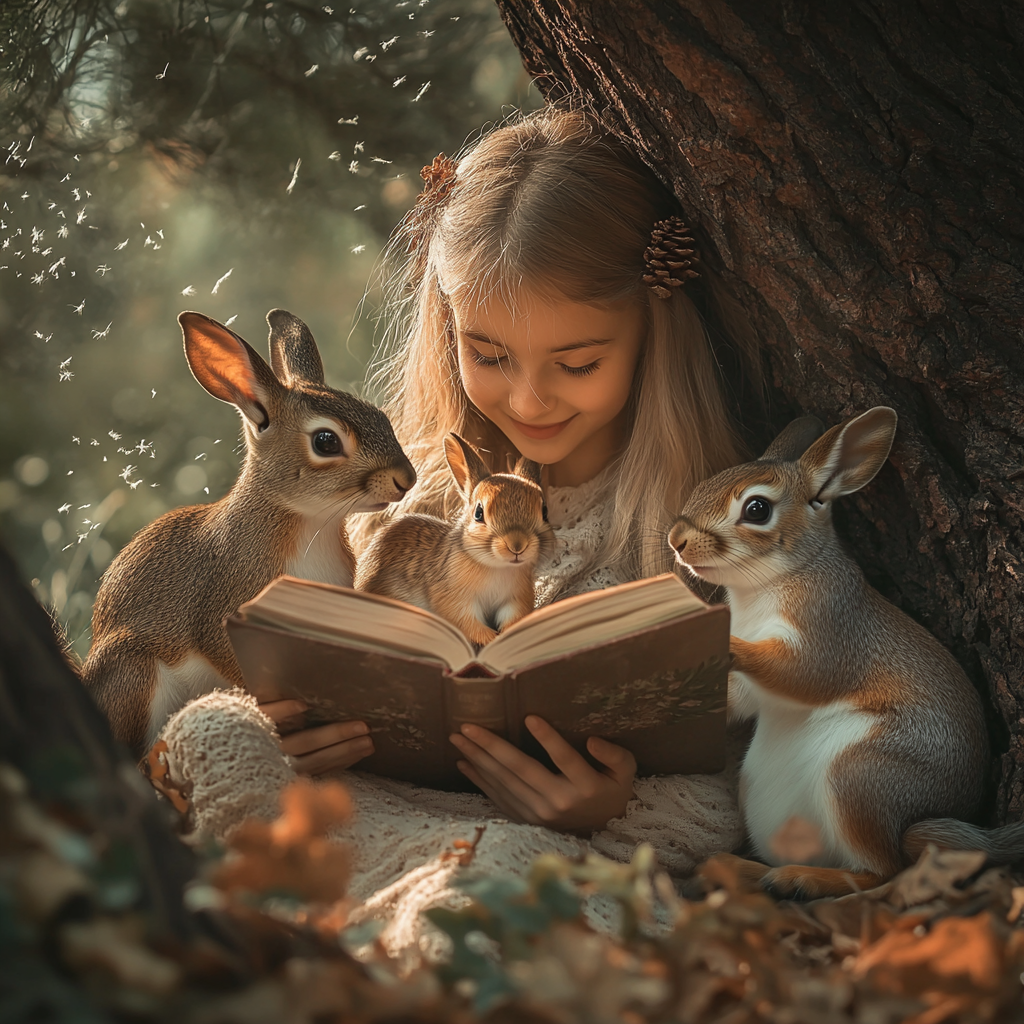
<point x="642" y="664"/>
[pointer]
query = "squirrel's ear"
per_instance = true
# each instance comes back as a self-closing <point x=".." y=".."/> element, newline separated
<point x="465" y="463"/>
<point x="293" y="352"/>
<point x="228" y="367"/>
<point x="528" y="470"/>
<point x="794" y="440"/>
<point x="850" y="454"/>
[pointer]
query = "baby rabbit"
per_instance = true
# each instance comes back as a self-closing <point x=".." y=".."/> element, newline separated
<point x="313" y="456"/>
<point x="866" y="726"/>
<point x="478" y="570"/>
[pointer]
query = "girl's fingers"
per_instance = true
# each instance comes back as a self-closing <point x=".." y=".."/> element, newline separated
<point x="514" y="782"/>
<point x="498" y="794"/>
<point x="305" y="741"/>
<point x="621" y="764"/>
<point x="335" y="757"/>
<point x="568" y="761"/>
<point x="509" y="758"/>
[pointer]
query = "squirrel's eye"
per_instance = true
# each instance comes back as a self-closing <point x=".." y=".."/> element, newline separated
<point x="478" y="514"/>
<point x="757" y="510"/>
<point x="544" y="513"/>
<point x="327" y="442"/>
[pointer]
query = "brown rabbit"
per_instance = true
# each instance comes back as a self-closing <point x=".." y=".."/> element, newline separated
<point x="313" y="456"/>
<point x="866" y="726"/>
<point x="478" y="570"/>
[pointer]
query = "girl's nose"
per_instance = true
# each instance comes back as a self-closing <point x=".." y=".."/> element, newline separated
<point x="526" y="399"/>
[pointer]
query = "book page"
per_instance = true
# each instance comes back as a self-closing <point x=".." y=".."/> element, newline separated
<point x="588" y="619"/>
<point x="361" y="620"/>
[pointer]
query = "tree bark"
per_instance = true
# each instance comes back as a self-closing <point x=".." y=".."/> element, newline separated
<point x="853" y="172"/>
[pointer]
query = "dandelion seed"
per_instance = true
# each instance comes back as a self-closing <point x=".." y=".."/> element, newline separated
<point x="60" y="213"/>
<point x="154" y="485"/>
<point x="423" y="88"/>
<point x="82" y="536"/>
<point x="82" y="216"/>
<point x="67" y="177"/>
<point x="295" y="176"/>
<point x="133" y="483"/>
<point x="426" y="33"/>
<point x="65" y="375"/>
<point x="353" y="167"/>
<point x="104" y="332"/>
<point x="104" y="458"/>
<point x="79" y="308"/>
<point x="358" y="55"/>
<point x="230" y="320"/>
<point x="66" y="507"/>
<point x="327" y="10"/>
<point x="119" y="247"/>
<point x="148" y="241"/>
<point x="359" y="147"/>
<point x="38" y="334"/>
<point x="153" y="395"/>
<point x="24" y="196"/>
<point x="88" y="194"/>
<point x="336" y="155"/>
<point x="398" y="81"/>
<point x="349" y="120"/>
<point x="72" y="544"/>
<point x="77" y="195"/>
<point x="114" y="434"/>
<point x="358" y="248"/>
<point x="70" y="472"/>
<point x="217" y="441"/>
<point x="188" y="290"/>
<point x="62" y="231"/>
<point x="75" y="440"/>
<point x="206" y="490"/>
<point x="76" y="158"/>
<point x="201" y="455"/>
<point x="38" y="278"/>
<point x="66" y="363"/>
<point x="155" y="247"/>
<point x="312" y="71"/>
<point x="52" y="206"/>
<point x="221" y="280"/>
<point x="453" y="19"/>
<point x="37" y="235"/>
<point x="361" y="206"/>
<point x="160" y="232"/>
<point x="102" y="270"/>
<point x="94" y="443"/>
<point x="59" y="263"/>
<point x="126" y="472"/>
<point x="388" y="43"/>
<point x="163" y="74"/>
<point x="380" y="160"/>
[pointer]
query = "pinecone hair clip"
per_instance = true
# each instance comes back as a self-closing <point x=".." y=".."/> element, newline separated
<point x="438" y="181"/>
<point x="669" y="259"/>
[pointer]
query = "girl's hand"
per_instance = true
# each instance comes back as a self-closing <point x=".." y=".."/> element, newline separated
<point x="580" y="798"/>
<point x="323" y="748"/>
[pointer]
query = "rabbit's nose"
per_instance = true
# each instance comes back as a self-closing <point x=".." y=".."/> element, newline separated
<point x="681" y="546"/>
<point x="398" y="487"/>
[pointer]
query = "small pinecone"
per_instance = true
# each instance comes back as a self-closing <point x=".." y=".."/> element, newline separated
<point x="670" y="258"/>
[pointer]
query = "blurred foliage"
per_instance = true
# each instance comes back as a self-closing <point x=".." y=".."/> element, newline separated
<point x="227" y="156"/>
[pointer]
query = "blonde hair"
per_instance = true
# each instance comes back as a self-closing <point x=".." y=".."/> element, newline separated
<point x="549" y="203"/>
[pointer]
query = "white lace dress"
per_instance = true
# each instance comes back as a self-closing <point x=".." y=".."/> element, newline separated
<point x="401" y="831"/>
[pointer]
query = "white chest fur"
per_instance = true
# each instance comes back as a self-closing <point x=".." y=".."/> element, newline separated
<point x="493" y="601"/>
<point x="176" y="686"/>
<point x="319" y="553"/>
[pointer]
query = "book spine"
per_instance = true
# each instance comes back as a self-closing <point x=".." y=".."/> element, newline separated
<point x="477" y="701"/>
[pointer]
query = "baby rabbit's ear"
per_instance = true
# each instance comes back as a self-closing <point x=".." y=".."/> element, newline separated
<point x="465" y="463"/>
<point x="293" y="352"/>
<point x="528" y="470"/>
<point x="228" y="367"/>
<point x="850" y="454"/>
<point x="794" y="440"/>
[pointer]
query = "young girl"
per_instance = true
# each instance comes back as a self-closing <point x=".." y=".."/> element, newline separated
<point x="547" y="304"/>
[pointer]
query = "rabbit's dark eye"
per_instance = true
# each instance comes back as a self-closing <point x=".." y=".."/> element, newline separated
<point x="757" y="510"/>
<point x="478" y="514"/>
<point x="327" y="442"/>
<point x="544" y="513"/>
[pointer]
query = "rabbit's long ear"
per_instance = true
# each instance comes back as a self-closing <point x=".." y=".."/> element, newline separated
<point x="293" y="352"/>
<point x="228" y="367"/>
<point x="794" y="440"/>
<point x="528" y="470"/>
<point x="465" y="463"/>
<point x="850" y="454"/>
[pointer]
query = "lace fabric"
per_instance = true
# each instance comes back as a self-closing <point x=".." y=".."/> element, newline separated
<point x="400" y="831"/>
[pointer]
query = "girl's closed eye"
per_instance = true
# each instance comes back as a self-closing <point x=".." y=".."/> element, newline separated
<point x="481" y="360"/>
<point x="581" y="371"/>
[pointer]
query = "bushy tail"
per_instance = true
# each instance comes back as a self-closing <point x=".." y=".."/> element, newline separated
<point x="1001" y="845"/>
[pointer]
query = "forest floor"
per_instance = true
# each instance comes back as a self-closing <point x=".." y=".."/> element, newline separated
<point x="941" y="942"/>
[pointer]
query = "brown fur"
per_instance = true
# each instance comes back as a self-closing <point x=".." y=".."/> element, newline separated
<point x="164" y="597"/>
<point x="477" y="575"/>
<point x="824" y="639"/>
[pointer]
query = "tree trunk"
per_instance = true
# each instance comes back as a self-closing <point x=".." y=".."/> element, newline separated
<point x="853" y="171"/>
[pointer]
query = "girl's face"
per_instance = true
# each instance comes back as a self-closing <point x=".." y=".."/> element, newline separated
<point x="554" y="377"/>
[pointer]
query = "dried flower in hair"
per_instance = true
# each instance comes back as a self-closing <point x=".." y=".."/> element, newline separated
<point x="670" y="258"/>
<point x="439" y="179"/>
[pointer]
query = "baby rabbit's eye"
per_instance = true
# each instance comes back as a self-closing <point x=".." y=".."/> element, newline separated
<point x="327" y="442"/>
<point x="478" y="514"/>
<point x="544" y="513"/>
<point x="757" y="510"/>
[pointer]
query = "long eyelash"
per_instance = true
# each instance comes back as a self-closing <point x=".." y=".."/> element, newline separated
<point x="482" y="360"/>
<point x="582" y="371"/>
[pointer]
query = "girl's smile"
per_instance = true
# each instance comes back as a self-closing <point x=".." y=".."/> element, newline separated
<point x="554" y="376"/>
